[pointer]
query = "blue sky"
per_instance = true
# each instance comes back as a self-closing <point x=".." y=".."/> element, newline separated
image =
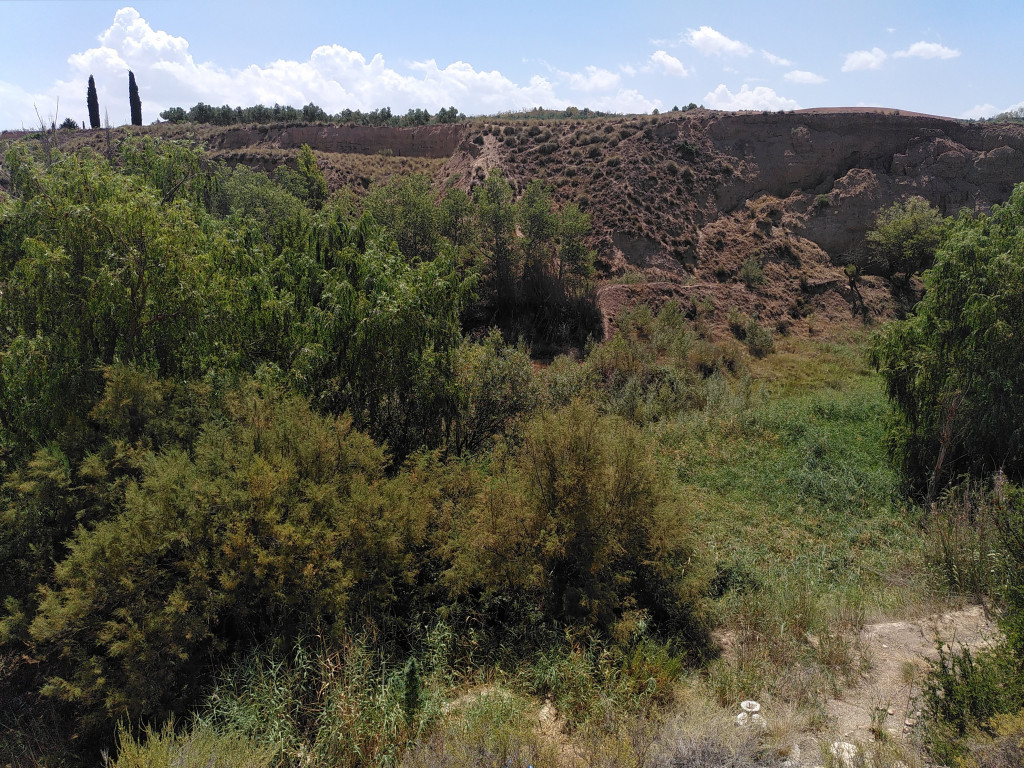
<point x="938" y="57"/>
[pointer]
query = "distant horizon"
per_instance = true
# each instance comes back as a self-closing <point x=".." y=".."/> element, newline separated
<point x="926" y="58"/>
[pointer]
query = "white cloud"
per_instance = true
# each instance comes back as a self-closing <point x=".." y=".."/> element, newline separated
<point x="668" y="64"/>
<point x="776" y="60"/>
<point x="333" y="76"/>
<point x="804" y="78"/>
<point x="625" y="100"/>
<point x="990" y="110"/>
<point x="21" y="106"/>
<point x="923" y="50"/>
<point x="591" y="80"/>
<point x="858" y="60"/>
<point x="980" y="110"/>
<point x="712" y="42"/>
<point x="628" y="69"/>
<point x="759" y="98"/>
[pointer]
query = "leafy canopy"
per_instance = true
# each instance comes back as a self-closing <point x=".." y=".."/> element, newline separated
<point x="955" y="368"/>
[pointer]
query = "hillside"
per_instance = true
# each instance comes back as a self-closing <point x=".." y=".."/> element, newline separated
<point x="680" y="201"/>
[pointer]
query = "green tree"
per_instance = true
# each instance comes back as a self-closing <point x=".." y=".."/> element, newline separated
<point x="955" y="368"/>
<point x="94" y="268"/>
<point x="174" y="115"/>
<point x="496" y="217"/>
<point x="93" y="103"/>
<point x="538" y="224"/>
<point x="906" y="236"/>
<point x="405" y="206"/>
<point x="456" y="218"/>
<point x="575" y="257"/>
<point x="382" y="340"/>
<point x="313" y="178"/>
<point x="133" y="99"/>
<point x="496" y="389"/>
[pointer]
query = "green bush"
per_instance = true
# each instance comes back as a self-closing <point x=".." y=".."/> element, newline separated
<point x="272" y="524"/>
<point x="200" y="746"/>
<point x="906" y="236"/>
<point x="954" y="369"/>
<point x="751" y="272"/>
<point x="760" y="341"/>
<point x="963" y="693"/>
<point x="579" y="528"/>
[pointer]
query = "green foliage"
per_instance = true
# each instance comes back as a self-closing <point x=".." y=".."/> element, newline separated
<point x="313" y="178"/>
<point x="270" y="525"/>
<point x="310" y="113"/>
<point x="496" y="219"/>
<point x="954" y="368"/>
<point x="760" y="341"/>
<point x="496" y="389"/>
<point x="962" y="694"/>
<point x="906" y="236"/>
<point x="200" y="746"/>
<point x="95" y="268"/>
<point x="251" y="200"/>
<point x="382" y="342"/>
<point x="405" y="207"/>
<point x="578" y="530"/>
<point x="456" y="218"/>
<point x="751" y="272"/>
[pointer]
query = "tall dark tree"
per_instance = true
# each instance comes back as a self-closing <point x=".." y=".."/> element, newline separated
<point x="94" y="104"/>
<point x="134" y="100"/>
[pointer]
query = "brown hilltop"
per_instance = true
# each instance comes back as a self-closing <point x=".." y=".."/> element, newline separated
<point x="680" y="201"/>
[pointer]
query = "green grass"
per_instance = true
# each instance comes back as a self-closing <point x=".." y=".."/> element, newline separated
<point x="786" y="478"/>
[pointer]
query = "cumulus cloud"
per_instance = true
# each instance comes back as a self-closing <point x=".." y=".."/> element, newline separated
<point x="804" y="78"/>
<point x="333" y="76"/>
<point x="776" y="60"/>
<point x="711" y="42"/>
<point x="859" y="60"/>
<point x="759" y="98"/>
<point x="591" y="80"/>
<point x="628" y="100"/>
<point x="19" y="106"/>
<point x="668" y="64"/>
<point x="923" y="50"/>
<point x="990" y="110"/>
<point x="979" y="111"/>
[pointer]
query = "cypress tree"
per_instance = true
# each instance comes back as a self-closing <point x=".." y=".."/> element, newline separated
<point x="94" y="104"/>
<point x="134" y="100"/>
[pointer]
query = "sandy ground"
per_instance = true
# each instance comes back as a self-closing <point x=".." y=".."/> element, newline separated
<point x="887" y="702"/>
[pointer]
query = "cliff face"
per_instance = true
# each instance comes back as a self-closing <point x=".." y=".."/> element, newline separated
<point x="864" y="162"/>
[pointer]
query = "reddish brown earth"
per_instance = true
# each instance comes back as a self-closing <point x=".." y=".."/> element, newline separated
<point x="680" y="201"/>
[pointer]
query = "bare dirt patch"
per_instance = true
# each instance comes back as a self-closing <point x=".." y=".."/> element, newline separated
<point x="888" y="699"/>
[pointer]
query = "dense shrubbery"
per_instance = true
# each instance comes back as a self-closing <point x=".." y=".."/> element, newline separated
<point x="233" y="416"/>
<point x="954" y="369"/>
